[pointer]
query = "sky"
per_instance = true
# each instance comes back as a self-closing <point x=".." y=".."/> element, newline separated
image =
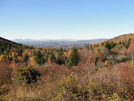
<point x="65" y="19"/>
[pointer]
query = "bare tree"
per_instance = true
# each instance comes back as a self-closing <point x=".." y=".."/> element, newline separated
<point x="89" y="66"/>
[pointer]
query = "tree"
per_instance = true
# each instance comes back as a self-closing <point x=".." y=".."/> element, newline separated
<point x="60" y="51"/>
<point x="8" y="50"/>
<point x="42" y="60"/>
<point x="61" y="59"/>
<point x="20" y="52"/>
<point x="119" y="42"/>
<point x="109" y="45"/>
<point x="32" y="61"/>
<point x="39" y="58"/>
<point x="112" y="44"/>
<point x="26" y="58"/>
<point x="34" y="53"/>
<point x="132" y="50"/>
<point x="18" y="47"/>
<point x="74" y="60"/>
<point x="32" y="47"/>
<point x="52" y="57"/>
<point x="106" y="63"/>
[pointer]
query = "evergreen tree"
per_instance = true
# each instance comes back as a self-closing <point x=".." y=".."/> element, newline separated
<point x="60" y="60"/>
<point x="32" y="47"/>
<point x="60" y="51"/>
<point x="112" y="44"/>
<point x="39" y="58"/>
<point x="52" y="57"/>
<point x="119" y="42"/>
<point x="34" y="53"/>
<point x="91" y="47"/>
<point x="20" y="52"/>
<point x="109" y="45"/>
<point x="74" y="60"/>
<point x="42" y="60"/>
<point x="127" y="43"/>
<point x="18" y="47"/>
<point x="102" y="44"/>
<point x="8" y="50"/>
<point x="25" y="58"/>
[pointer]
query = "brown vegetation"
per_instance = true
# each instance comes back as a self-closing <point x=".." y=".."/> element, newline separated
<point x="102" y="74"/>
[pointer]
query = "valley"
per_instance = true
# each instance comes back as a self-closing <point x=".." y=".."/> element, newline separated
<point x="102" y="70"/>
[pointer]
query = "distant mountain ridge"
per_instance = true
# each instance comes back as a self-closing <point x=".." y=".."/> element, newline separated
<point x="6" y="41"/>
<point x="62" y="43"/>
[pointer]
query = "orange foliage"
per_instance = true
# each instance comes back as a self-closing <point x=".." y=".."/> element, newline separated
<point x="69" y="53"/>
<point x="32" y="61"/>
<point x="131" y="45"/>
<point x="20" y="58"/>
<point x="115" y="42"/>
<point x="106" y="63"/>
<point x="93" y="46"/>
<point x="16" y="53"/>
<point x="4" y="58"/>
<point x="79" y="50"/>
<point x="4" y="51"/>
<point x="23" y="54"/>
<point x="49" y="60"/>
<point x="12" y="65"/>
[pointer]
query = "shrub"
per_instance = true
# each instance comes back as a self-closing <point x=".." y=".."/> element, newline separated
<point x="124" y="59"/>
<point x="5" y="74"/>
<point x="27" y="74"/>
<point x="70" y="88"/>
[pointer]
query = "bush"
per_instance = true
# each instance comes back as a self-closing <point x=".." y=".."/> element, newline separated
<point x="23" y="74"/>
<point x="71" y="89"/>
<point x="5" y="74"/>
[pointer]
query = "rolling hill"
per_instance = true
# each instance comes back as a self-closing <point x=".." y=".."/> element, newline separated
<point x="59" y="43"/>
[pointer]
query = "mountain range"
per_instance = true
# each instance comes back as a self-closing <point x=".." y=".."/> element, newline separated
<point x="62" y="43"/>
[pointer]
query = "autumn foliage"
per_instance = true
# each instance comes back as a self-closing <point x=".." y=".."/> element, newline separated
<point x="99" y="72"/>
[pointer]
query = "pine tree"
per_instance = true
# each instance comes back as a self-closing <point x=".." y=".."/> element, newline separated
<point x="42" y="60"/>
<point x="39" y="58"/>
<point x="34" y="53"/>
<point x="74" y="60"/>
<point x="8" y="50"/>
<point x="109" y="45"/>
<point x="25" y="58"/>
<point x="119" y="42"/>
<point x="52" y="57"/>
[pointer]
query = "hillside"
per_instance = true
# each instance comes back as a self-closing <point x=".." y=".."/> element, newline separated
<point x="99" y="72"/>
<point x="123" y="37"/>
<point x="6" y="41"/>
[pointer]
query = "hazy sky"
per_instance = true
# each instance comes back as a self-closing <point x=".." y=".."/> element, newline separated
<point x="66" y="19"/>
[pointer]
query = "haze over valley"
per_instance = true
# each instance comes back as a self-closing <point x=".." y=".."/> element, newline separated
<point x="63" y="43"/>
